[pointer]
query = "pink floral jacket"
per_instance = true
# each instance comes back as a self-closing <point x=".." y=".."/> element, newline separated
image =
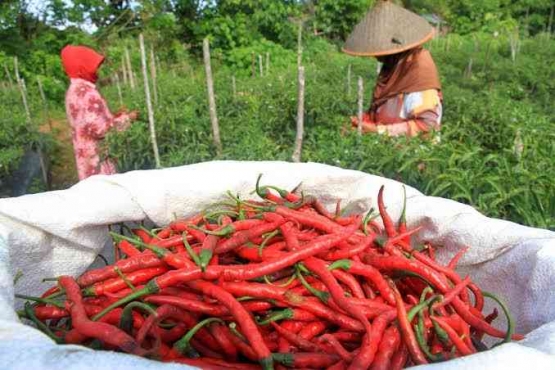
<point x="90" y="121"/>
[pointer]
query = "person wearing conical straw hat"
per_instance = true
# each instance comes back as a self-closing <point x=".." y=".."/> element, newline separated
<point x="407" y="99"/>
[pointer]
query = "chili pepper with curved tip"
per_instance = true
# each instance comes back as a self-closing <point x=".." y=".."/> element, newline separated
<point x="387" y="221"/>
<point x="116" y="284"/>
<point x="104" y="332"/>
<point x="407" y="332"/>
<point x="243" y="237"/>
<point x="369" y="272"/>
<point x="306" y="359"/>
<point x="127" y="265"/>
<point x="245" y="321"/>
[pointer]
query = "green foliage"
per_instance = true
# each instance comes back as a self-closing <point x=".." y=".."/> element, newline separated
<point x="476" y="161"/>
<point x="336" y="18"/>
<point x="496" y="141"/>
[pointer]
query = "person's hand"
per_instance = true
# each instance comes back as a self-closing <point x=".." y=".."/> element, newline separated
<point x="133" y="115"/>
<point x="369" y="127"/>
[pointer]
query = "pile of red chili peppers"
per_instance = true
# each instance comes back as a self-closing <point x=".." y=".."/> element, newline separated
<point x="274" y="283"/>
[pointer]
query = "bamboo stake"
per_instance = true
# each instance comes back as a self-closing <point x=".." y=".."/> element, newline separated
<point x="211" y="97"/>
<point x="45" y="103"/>
<point x="120" y="95"/>
<point x="360" y="104"/>
<point x="300" y="118"/>
<point x="130" y="70"/>
<point x="234" y="86"/>
<point x="468" y="72"/>
<point x="149" y="103"/>
<point x="550" y="24"/>
<point x="349" y="73"/>
<point x="514" y="42"/>
<point x="124" y="71"/>
<point x="23" y="91"/>
<point x="9" y="76"/>
<point x="300" y="45"/>
<point x="153" y="75"/>
<point x="261" y="67"/>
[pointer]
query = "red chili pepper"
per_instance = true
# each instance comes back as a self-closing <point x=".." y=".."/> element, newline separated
<point x="143" y="235"/>
<point x="313" y="329"/>
<point x="306" y="359"/>
<point x="489" y="319"/>
<point x="311" y="220"/>
<point x="395" y="263"/>
<point x="454" y="292"/>
<point x="387" y="221"/>
<point x="337" y="347"/>
<point x="128" y="249"/>
<point x="242" y="237"/>
<point x="388" y="346"/>
<point x="104" y="332"/>
<point x="372" y="274"/>
<point x="116" y="284"/>
<point x="319" y="267"/>
<point x="314" y="247"/>
<point x="453" y="336"/>
<point x="350" y="250"/>
<point x="163" y="312"/>
<point x="127" y="265"/>
<point x="450" y="274"/>
<point x="371" y="342"/>
<point x="243" y="318"/>
<point x="218" y="332"/>
<point x="407" y="333"/>
<point x="241" y="345"/>
<point x="400" y="358"/>
<point x="214" y="364"/>
<point x="208" y="247"/>
<point x="174" y="241"/>
<point x="350" y="281"/>
<point x="288" y="232"/>
<point x="322" y="311"/>
<point x="165" y="233"/>
<point x="50" y="291"/>
<point x="173" y="334"/>
<point x="455" y="260"/>
<point x="297" y="341"/>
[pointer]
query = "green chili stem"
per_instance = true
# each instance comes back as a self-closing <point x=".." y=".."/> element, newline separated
<point x="233" y="328"/>
<point x="281" y="315"/>
<point x="126" y="319"/>
<point x="40" y="300"/>
<point x="265" y="241"/>
<point x="510" y="321"/>
<point x="323" y="296"/>
<point x="18" y="275"/>
<point x="30" y="313"/>
<point x="190" y="251"/>
<point x="150" y="288"/>
<point x="124" y="278"/>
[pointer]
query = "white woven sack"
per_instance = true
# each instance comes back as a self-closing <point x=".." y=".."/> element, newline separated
<point x="59" y="233"/>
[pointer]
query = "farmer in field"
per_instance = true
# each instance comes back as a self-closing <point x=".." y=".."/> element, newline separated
<point x="87" y="112"/>
<point x="407" y="98"/>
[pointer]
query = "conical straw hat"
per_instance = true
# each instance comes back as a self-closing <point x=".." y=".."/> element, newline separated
<point x="388" y="29"/>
